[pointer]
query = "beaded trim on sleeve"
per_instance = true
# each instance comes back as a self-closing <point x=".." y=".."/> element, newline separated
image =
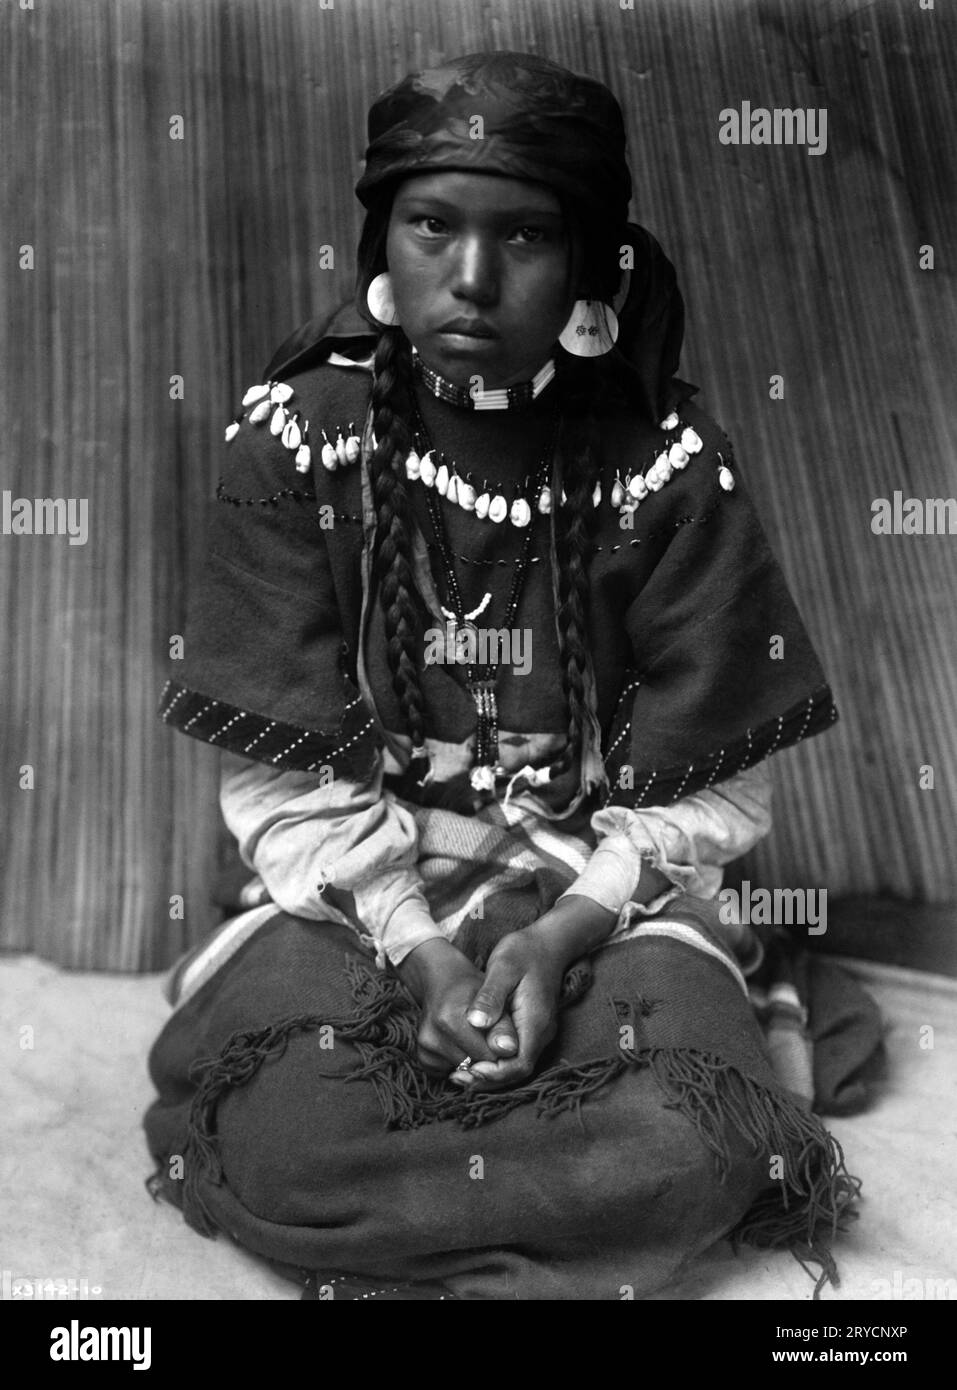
<point x="351" y="747"/>
<point x="662" y="786"/>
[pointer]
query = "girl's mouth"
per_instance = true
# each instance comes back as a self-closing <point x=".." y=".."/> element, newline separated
<point x="468" y="328"/>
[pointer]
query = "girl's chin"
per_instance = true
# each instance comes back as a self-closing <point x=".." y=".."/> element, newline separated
<point x="460" y="359"/>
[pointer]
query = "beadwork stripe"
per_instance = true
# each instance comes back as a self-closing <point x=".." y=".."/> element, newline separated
<point x="811" y="715"/>
<point x="350" y="748"/>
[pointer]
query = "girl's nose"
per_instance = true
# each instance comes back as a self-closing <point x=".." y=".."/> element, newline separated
<point x="476" y="271"/>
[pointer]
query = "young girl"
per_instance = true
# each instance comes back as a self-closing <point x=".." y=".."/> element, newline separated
<point x="495" y="650"/>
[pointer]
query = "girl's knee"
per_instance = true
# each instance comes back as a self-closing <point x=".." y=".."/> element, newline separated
<point x="292" y="1132"/>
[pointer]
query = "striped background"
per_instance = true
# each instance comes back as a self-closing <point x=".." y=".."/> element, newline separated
<point x="195" y="257"/>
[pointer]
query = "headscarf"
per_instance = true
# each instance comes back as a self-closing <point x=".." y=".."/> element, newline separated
<point x="540" y="123"/>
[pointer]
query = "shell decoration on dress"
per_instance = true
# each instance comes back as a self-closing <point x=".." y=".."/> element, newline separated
<point x="339" y="448"/>
<point x="490" y="502"/>
<point x="270" y="401"/>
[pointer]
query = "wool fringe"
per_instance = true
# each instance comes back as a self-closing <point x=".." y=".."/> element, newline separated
<point x="814" y="1193"/>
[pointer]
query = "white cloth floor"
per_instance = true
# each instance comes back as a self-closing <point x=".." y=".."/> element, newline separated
<point x="73" y="1204"/>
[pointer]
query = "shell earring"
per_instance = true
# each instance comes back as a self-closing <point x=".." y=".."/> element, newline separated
<point x="381" y="302"/>
<point x="591" y="330"/>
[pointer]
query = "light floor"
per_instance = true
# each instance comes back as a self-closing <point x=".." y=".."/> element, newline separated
<point x="73" y="1161"/>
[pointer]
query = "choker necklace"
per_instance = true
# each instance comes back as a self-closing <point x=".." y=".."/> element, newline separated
<point x="505" y="398"/>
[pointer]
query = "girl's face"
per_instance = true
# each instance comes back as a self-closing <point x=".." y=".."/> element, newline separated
<point x="480" y="274"/>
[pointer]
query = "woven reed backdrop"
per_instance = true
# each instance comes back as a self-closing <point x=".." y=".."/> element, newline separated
<point x="158" y="257"/>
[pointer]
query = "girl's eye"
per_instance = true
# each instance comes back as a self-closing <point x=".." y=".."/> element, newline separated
<point x="528" y="235"/>
<point x="432" y="226"/>
<point x="531" y="235"/>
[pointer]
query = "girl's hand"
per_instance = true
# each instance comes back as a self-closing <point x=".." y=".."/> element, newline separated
<point x="525" y="973"/>
<point x="444" y="983"/>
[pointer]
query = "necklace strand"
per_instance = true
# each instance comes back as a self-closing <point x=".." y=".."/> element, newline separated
<point x="481" y="680"/>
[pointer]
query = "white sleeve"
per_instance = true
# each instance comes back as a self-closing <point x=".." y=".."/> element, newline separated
<point x="689" y="842"/>
<point x="330" y="849"/>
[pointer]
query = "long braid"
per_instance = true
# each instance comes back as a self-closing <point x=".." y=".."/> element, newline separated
<point x="580" y="464"/>
<point x="393" y="541"/>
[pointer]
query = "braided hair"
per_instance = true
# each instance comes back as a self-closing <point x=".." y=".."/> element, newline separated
<point x="584" y="387"/>
<point x="392" y="557"/>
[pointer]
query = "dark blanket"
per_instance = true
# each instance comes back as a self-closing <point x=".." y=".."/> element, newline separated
<point x="291" y="1115"/>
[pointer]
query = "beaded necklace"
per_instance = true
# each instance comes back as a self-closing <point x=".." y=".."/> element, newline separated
<point x="480" y="678"/>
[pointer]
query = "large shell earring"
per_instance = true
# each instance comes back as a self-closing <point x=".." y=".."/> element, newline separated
<point x="591" y="330"/>
<point x="381" y="302"/>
